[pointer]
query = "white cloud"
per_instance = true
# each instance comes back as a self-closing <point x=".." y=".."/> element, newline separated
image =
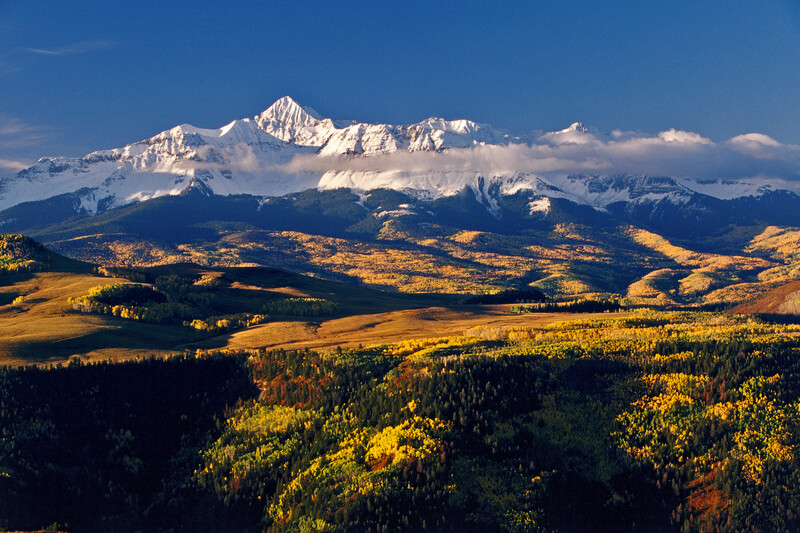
<point x="70" y="49"/>
<point x="10" y="164"/>
<point x="679" y="136"/>
<point x="234" y="157"/>
<point x="670" y="153"/>
<point x="15" y="133"/>
<point x="762" y="146"/>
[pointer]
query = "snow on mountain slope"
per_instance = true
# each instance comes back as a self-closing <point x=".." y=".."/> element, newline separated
<point x="289" y="148"/>
<point x="365" y="139"/>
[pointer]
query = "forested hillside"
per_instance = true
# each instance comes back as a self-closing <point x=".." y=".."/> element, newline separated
<point x="649" y="421"/>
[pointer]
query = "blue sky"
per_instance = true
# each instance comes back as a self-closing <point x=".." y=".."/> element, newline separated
<point x="80" y="76"/>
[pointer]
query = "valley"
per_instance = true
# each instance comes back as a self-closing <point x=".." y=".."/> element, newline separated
<point x="294" y="323"/>
<point x="330" y="235"/>
<point x="42" y="327"/>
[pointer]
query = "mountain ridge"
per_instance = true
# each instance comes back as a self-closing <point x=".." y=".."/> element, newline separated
<point x="289" y="148"/>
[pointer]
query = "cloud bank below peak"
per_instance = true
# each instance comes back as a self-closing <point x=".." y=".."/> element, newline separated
<point x="674" y="153"/>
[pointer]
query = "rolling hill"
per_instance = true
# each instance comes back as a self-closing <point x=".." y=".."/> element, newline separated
<point x="451" y="245"/>
<point x="237" y="308"/>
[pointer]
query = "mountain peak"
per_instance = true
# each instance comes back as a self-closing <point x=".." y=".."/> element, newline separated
<point x="579" y="127"/>
<point x="287" y="111"/>
<point x="292" y="123"/>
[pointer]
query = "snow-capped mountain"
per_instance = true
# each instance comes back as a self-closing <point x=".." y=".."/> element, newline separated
<point x="290" y="148"/>
<point x="243" y="157"/>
